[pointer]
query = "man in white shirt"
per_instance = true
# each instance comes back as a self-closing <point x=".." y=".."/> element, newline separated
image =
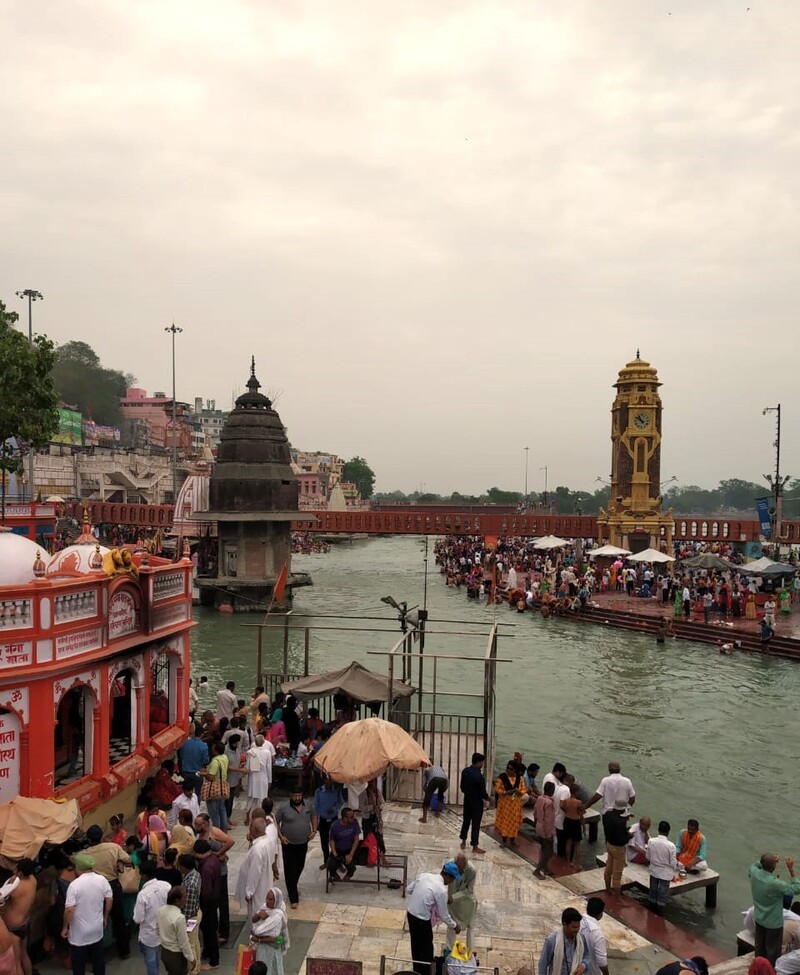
<point x="426" y="893"/>
<point x="562" y="791"/>
<point x="186" y="800"/>
<point x="227" y="701"/>
<point x="614" y="786"/>
<point x="595" y="939"/>
<point x="640" y="837"/>
<point x="151" y="897"/>
<point x="87" y="909"/>
<point x="663" y="867"/>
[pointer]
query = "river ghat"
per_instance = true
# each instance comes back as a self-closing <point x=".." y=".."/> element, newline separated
<point x="699" y="734"/>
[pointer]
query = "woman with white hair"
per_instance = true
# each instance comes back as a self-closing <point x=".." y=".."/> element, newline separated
<point x="260" y="757"/>
<point x="269" y="932"/>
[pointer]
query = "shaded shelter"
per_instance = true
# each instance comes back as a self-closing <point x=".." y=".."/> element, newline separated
<point x="607" y="552"/>
<point x="363" y="750"/>
<point x="549" y="542"/>
<point x="355" y="681"/>
<point x="767" y="569"/>
<point x="708" y="561"/>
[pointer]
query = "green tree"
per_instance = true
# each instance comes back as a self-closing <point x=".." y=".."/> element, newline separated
<point x="82" y="381"/>
<point x="357" y="471"/>
<point x="735" y="493"/>
<point x="28" y="401"/>
<point x="496" y="495"/>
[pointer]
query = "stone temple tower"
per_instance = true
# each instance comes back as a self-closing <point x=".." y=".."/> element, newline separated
<point x="253" y="498"/>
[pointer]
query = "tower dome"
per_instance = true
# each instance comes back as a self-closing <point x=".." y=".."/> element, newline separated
<point x="253" y="472"/>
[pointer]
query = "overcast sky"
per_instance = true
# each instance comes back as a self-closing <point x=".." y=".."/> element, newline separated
<point x="441" y="227"/>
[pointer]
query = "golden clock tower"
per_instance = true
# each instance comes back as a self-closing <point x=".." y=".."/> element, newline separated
<point x="634" y="519"/>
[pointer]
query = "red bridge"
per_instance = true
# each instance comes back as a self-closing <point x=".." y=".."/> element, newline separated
<point x="416" y="520"/>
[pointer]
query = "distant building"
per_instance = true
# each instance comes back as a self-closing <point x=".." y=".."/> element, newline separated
<point x="327" y="469"/>
<point x="156" y="412"/>
<point x="207" y="420"/>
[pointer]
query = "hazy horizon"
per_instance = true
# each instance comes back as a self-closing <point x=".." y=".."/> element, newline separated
<point x="441" y="230"/>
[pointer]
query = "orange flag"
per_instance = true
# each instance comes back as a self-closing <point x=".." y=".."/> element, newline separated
<point x="280" y="586"/>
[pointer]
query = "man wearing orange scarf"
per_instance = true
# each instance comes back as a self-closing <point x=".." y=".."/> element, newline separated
<point x="691" y="848"/>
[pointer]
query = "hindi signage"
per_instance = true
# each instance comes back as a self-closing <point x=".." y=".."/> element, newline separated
<point x="71" y="644"/>
<point x="9" y="756"/>
<point x="16" y="654"/>
<point x="122" y="615"/>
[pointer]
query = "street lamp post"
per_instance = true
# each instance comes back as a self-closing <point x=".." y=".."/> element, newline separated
<point x="545" y="482"/>
<point x="32" y="296"/>
<point x="174" y="330"/>
<point x="527" y="451"/>
<point x="777" y="482"/>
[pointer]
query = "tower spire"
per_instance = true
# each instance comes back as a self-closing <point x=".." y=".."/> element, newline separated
<point x="637" y="353"/>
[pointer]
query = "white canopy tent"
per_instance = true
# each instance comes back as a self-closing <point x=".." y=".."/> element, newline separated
<point x="549" y="542"/>
<point x="650" y="555"/>
<point x="608" y="552"/>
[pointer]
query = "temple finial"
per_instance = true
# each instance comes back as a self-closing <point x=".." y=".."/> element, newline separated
<point x="253" y="365"/>
<point x="637" y="353"/>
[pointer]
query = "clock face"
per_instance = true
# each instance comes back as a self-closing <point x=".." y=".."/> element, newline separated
<point x="641" y="421"/>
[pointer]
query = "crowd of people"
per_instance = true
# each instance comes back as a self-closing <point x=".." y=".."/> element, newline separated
<point x="304" y="543"/>
<point x="565" y="580"/>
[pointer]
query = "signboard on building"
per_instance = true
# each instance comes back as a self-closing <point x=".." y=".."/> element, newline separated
<point x="16" y="654"/>
<point x="9" y="756"/>
<point x="69" y="427"/>
<point x="95" y="434"/>
<point x="122" y="615"/>
<point x="71" y="644"/>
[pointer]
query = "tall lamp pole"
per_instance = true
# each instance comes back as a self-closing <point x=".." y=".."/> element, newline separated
<point x="173" y="328"/>
<point x="527" y="451"/>
<point x="32" y="296"/>
<point x="545" y="482"/>
<point x="777" y="482"/>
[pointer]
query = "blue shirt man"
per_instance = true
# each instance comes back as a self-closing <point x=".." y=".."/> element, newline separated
<point x="328" y="802"/>
<point x="194" y="756"/>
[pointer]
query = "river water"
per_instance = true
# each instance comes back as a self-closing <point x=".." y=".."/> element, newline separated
<point x="699" y="734"/>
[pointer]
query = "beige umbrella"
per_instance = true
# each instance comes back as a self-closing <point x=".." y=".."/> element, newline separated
<point x="362" y="750"/>
<point x="650" y="555"/>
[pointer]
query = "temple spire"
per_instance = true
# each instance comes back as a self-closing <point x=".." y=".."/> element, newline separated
<point x="637" y="354"/>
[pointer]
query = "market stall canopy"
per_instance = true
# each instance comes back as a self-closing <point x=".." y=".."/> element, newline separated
<point x="362" y="750"/>
<point x="608" y="552"/>
<point x="708" y="561"/>
<point x="650" y="555"/>
<point x="768" y="569"/>
<point x="355" y="681"/>
<point x="27" y="824"/>
<point x="549" y="541"/>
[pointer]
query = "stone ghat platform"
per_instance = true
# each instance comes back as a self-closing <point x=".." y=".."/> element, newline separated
<point x="642" y="616"/>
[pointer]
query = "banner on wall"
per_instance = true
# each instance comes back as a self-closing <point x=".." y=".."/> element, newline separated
<point x="762" y="510"/>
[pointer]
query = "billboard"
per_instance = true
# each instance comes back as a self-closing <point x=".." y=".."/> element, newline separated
<point x="762" y="508"/>
<point x="69" y="427"/>
<point x="95" y="434"/>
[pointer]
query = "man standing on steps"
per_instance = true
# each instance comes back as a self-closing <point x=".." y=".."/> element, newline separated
<point x="473" y="785"/>
<point x="426" y="895"/>
<point x="768" y="893"/>
<point x="614" y="786"/>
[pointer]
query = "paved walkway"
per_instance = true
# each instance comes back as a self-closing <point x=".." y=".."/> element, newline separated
<point x="358" y="922"/>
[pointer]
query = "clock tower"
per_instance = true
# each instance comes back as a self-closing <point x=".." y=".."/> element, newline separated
<point x="634" y="519"/>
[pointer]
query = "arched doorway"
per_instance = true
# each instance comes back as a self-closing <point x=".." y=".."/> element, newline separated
<point x="73" y="736"/>
<point x="162" y="703"/>
<point x="122" y="722"/>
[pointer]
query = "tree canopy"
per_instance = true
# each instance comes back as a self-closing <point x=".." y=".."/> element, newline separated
<point x="83" y="382"/>
<point x="28" y="402"/>
<point x="357" y="471"/>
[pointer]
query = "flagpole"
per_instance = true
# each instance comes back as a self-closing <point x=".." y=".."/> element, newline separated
<point x="280" y="583"/>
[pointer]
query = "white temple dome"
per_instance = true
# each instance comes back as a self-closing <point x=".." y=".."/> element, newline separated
<point x="17" y="555"/>
<point x="75" y="560"/>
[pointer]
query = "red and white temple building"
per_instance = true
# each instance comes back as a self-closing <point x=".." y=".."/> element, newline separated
<point x="94" y="670"/>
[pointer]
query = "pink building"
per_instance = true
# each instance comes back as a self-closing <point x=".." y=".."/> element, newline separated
<point x="156" y="412"/>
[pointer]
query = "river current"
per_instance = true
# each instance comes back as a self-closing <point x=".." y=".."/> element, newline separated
<point x="699" y="734"/>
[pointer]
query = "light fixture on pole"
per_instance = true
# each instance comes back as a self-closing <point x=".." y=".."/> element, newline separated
<point x="545" y="482"/>
<point x="777" y="482"/>
<point x="173" y="328"/>
<point x="32" y="296"/>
